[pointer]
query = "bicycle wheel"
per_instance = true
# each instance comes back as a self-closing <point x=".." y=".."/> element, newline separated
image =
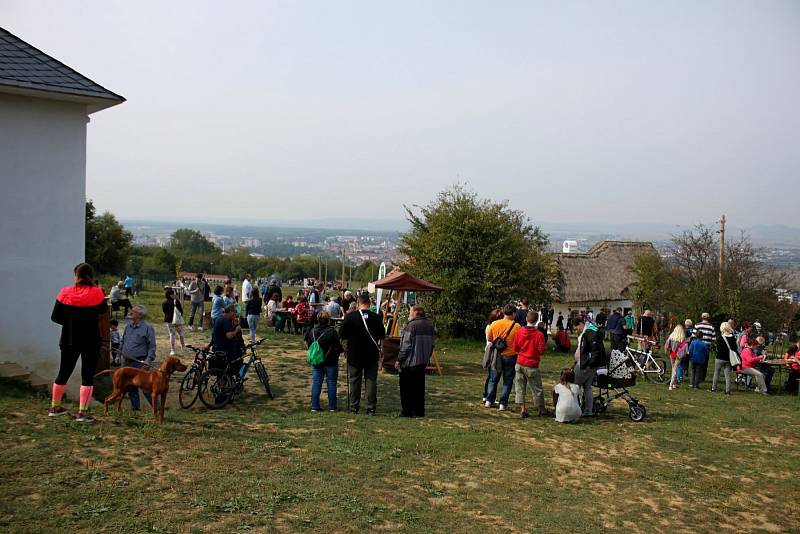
<point x="215" y="388"/>
<point x="655" y="370"/>
<point x="263" y="376"/>
<point x="190" y="387"/>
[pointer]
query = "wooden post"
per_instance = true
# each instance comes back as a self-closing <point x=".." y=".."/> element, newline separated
<point x="721" y="249"/>
<point x="344" y="253"/>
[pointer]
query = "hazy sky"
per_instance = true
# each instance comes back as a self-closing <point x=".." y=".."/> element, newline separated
<point x="669" y="112"/>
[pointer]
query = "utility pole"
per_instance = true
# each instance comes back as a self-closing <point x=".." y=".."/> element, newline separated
<point x="319" y="268"/>
<point x="721" y="249"/>
<point x="344" y="254"/>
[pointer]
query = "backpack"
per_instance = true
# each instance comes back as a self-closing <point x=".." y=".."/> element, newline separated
<point x="314" y="355"/>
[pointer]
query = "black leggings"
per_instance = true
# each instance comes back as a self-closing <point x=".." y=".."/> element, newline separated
<point x="69" y="358"/>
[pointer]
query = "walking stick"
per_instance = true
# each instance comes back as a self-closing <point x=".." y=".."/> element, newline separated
<point x="347" y="374"/>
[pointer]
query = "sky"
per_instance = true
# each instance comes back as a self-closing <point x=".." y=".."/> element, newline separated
<point x="618" y="111"/>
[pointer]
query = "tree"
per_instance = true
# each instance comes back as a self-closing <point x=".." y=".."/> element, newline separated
<point x="686" y="284"/>
<point x="108" y="244"/>
<point x="483" y="253"/>
<point x="188" y="242"/>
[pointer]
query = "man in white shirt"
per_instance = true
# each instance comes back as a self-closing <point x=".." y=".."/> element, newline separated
<point x="247" y="287"/>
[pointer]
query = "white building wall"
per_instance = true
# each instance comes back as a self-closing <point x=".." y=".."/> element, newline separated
<point x="42" y="213"/>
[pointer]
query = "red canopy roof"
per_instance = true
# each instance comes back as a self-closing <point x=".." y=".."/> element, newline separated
<point x="401" y="281"/>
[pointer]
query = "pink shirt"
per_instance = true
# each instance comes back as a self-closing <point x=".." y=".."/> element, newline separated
<point x="749" y="359"/>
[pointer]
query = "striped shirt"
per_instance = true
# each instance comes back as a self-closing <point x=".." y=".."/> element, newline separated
<point x="707" y="330"/>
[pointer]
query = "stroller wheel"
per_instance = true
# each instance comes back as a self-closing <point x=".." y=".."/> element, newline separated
<point x="598" y="406"/>
<point x="637" y="412"/>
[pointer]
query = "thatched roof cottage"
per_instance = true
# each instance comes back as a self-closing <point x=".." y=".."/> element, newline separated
<point x="598" y="279"/>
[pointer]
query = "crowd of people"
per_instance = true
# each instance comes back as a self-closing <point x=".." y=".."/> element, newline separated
<point x="516" y="340"/>
<point x="79" y="307"/>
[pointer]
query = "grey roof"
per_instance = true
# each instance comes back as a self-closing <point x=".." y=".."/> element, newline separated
<point x="23" y="66"/>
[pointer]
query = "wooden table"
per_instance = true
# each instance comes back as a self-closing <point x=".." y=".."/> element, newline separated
<point x="779" y="364"/>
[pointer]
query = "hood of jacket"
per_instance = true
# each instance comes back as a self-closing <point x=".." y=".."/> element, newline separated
<point x="81" y="296"/>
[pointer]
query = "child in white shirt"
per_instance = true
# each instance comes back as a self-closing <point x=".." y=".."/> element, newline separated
<point x="567" y="408"/>
<point x="115" y="342"/>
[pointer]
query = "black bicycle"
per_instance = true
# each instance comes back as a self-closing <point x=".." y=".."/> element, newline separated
<point x="220" y="385"/>
<point x="190" y="385"/>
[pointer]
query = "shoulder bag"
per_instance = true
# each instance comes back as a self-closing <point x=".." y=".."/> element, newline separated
<point x="368" y="332"/>
<point x="177" y="316"/>
<point x="500" y="344"/>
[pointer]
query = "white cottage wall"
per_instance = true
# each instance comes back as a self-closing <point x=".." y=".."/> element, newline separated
<point x="42" y="214"/>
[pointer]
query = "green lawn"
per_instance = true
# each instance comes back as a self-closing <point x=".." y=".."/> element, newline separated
<point x="699" y="462"/>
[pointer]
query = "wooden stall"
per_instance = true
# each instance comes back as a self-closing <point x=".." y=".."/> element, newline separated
<point x="398" y="283"/>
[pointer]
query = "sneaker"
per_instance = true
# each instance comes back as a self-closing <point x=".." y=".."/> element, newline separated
<point x="332" y="410"/>
<point x="370" y="411"/>
<point x="84" y="418"/>
<point x="524" y="414"/>
<point x="483" y="399"/>
<point x="200" y="329"/>
<point x="172" y="353"/>
<point x="503" y="407"/>
<point x="315" y="410"/>
<point x="713" y="390"/>
<point x="488" y="404"/>
<point x="191" y="328"/>
<point x="55" y="411"/>
<point x="587" y="414"/>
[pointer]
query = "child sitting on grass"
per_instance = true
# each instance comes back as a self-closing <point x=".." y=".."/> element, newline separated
<point x="565" y="397"/>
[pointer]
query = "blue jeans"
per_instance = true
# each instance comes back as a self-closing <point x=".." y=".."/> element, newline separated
<point x="133" y="392"/>
<point x="252" y="322"/>
<point x="507" y="364"/>
<point x="331" y="374"/>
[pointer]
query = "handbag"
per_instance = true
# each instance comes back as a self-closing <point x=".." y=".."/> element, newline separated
<point x="177" y="316"/>
<point x="734" y="358"/>
<point x="500" y="344"/>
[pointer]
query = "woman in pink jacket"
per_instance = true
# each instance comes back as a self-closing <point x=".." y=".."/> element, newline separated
<point x="749" y="363"/>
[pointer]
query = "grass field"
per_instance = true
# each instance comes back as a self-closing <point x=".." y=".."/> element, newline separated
<point x="700" y="462"/>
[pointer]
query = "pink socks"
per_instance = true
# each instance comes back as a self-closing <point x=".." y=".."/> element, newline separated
<point x="58" y="393"/>
<point x="85" y="398"/>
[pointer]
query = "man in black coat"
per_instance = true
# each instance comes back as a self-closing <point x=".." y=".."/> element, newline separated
<point x="592" y="355"/>
<point x="363" y="331"/>
<point x="615" y="327"/>
<point x="416" y="348"/>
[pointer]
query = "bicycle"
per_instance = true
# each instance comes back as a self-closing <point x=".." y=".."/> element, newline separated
<point x="650" y="367"/>
<point x="190" y="385"/>
<point x="220" y="386"/>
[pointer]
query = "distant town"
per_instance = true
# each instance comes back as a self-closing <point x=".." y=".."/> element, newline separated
<point x="357" y="246"/>
<point x="780" y="246"/>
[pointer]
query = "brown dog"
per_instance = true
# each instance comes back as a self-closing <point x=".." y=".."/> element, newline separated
<point x="153" y="383"/>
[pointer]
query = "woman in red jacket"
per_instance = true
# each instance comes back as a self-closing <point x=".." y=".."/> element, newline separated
<point x="78" y="309"/>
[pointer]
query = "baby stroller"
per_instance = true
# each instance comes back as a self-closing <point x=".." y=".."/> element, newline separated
<point x="618" y="376"/>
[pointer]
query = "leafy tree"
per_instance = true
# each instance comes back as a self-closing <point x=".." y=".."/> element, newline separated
<point x="188" y="242"/>
<point x="483" y="253"/>
<point x="686" y="284"/>
<point x="108" y="244"/>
